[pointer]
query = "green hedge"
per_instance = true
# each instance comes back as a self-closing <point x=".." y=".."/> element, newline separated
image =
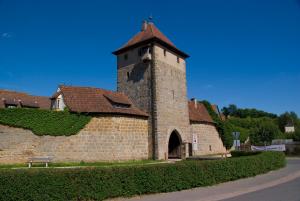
<point x="244" y="153"/>
<point x="103" y="183"/>
<point x="44" y="122"/>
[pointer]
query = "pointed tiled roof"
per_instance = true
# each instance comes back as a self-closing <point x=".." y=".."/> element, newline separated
<point x="148" y="34"/>
<point x="151" y="31"/>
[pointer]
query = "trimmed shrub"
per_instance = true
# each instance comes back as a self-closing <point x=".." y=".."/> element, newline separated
<point x="44" y="122"/>
<point x="244" y="153"/>
<point x="103" y="183"/>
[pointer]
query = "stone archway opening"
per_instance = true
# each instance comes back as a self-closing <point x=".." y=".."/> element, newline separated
<point x="174" y="146"/>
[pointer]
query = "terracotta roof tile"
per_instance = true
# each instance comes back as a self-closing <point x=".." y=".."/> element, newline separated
<point x="115" y="98"/>
<point x="2" y="105"/>
<point x="150" y="33"/>
<point x="95" y="100"/>
<point x="23" y="99"/>
<point x="198" y="113"/>
<point x="215" y="108"/>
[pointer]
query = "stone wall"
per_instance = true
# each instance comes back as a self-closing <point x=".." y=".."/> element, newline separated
<point x="134" y="80"/>
<point x="208" y="138"/>
<point x="171" y="104"/>
<point x="105" y="138"/>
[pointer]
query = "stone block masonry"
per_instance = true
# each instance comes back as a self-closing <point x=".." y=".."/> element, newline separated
<point x="104" y="138"/>
<point x="209" y="141"/>
<point x="171" y="104"/>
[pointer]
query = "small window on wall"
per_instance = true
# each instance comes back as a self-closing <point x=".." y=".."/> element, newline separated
<point x="57" y="102"/>
<point x="125" y="56"/>
<point x="128" y="75"/>
<point x="178" y="60"/>
<point x="210" y="149"/>
<point x="173" y="94"/>
<point x="144" y="50"/>
<point x="165" y="52"/>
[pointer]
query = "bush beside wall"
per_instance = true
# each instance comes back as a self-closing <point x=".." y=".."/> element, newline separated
<point x="44" y="122"/>
<point x="103" y="183"/>
<point x="244" y="153"/>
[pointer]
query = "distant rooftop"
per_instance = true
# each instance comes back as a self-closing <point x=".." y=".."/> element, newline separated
<point x="21" y="99"/>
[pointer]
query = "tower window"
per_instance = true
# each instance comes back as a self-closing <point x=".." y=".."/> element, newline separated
<point x="178" y="60"/>
<point x="165" y="52"/>
<point x="125" y="56"/>
<point x="128" y="75"/>
<point x="144" y="50"/>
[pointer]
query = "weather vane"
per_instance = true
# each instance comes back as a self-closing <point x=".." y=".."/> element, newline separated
<point x="150" y="18"/>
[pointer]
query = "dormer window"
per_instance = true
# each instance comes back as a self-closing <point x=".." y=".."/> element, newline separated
<point x="10" y="103"/>
<point x="120" y="105"/>
<point x="117" y="102"/>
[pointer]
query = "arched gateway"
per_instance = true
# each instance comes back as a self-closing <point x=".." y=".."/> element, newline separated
<point x="174" y="146"/>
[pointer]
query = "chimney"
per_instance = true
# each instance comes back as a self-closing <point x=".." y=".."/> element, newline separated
<point x="144" y="25"/>
<point x="195" y="102"/>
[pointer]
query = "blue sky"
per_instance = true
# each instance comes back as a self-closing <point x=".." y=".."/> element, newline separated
<point x="245" y="52"/>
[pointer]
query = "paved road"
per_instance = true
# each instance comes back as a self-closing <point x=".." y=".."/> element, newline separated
<point x="288" y="191"/>
<point x="280" y="185"/>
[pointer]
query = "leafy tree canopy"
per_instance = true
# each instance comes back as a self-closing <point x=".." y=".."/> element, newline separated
<point x="226" y="137"/>
<point x="288" y="118"/>
<point x="263" y="132"/>
<point x="233" y="111"/>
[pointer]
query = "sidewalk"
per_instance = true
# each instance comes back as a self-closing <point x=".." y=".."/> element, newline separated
<point x="229" y="189"/>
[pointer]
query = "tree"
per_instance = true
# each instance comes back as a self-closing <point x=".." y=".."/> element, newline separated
<point x="227" y="139"/>
<point x="297" y="134"/>
<point x="230" y="110"/>
<point x="288" y="118"/>
<point x="233" y="111"/>
<point x="264" y="132"/>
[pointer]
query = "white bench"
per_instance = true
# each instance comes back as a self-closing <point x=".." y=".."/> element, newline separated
<point x="45" y="160"/>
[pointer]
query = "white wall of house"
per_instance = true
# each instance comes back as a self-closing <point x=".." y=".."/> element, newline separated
<point x="289" y="129"/>
<point x="59" y="103"/>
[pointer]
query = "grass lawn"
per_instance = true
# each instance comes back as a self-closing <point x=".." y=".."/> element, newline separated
<point x="83" y="164"/>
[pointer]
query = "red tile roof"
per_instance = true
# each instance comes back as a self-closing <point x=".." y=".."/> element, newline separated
<point x="2" y="105"/>
<point x="198" y="113"/>
<point x="95" y="100"/>
<point x="218" y="112"/>
<point x="215" y="108"/>
<point x="151" y="33"/>
<point x="23" y="99"/>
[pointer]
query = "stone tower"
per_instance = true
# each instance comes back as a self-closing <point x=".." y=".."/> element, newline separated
<point x="152" y="72"/>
